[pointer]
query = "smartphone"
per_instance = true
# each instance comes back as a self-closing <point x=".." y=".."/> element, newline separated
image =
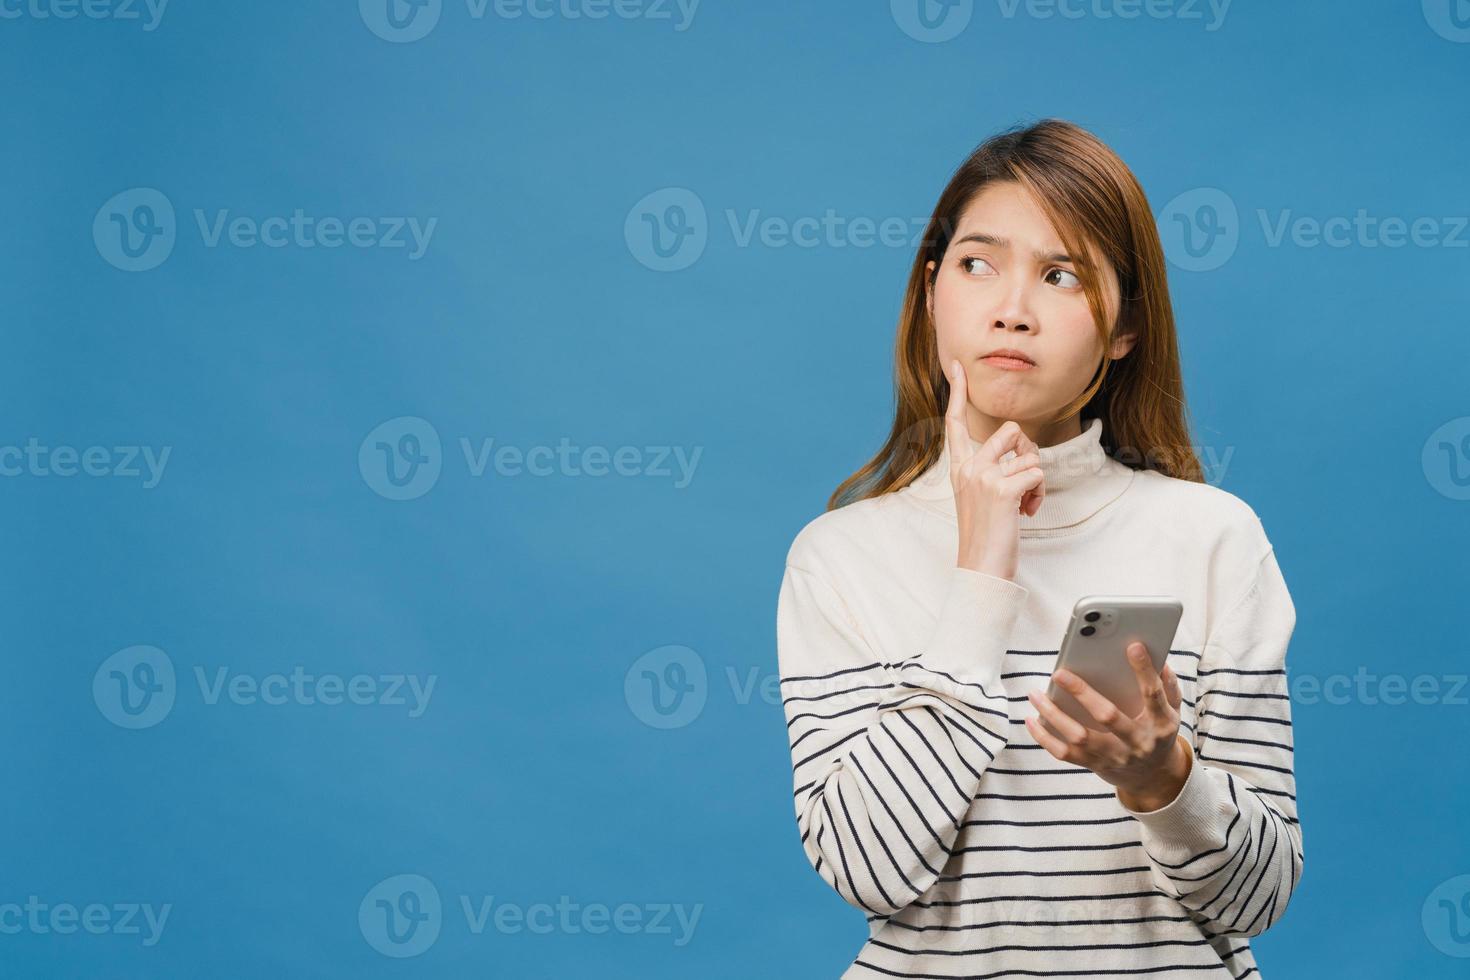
<point x="1095" y="648"/>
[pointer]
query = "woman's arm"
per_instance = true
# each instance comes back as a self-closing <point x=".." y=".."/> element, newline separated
<point x="886" y="757"/>
<point x="1229" y="846"/>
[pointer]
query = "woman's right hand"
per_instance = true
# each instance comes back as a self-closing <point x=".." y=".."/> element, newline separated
<point x="989" y="494"/>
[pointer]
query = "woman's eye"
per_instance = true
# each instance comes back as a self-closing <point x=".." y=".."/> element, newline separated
<point x="1073" y="276"/>
<point x="968" y="264"/>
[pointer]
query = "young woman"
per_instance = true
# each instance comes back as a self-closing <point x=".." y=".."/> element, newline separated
<point x="1039" y="454"/>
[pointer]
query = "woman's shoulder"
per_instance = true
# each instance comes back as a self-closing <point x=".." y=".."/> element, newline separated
<point x="835" y="537"/>
<point x="1201" y="498"/>
<point x="1202" y="511"/>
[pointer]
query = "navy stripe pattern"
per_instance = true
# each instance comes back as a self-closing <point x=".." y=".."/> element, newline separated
<point x="922" y="800"/>
<point x="1239" y="857"/>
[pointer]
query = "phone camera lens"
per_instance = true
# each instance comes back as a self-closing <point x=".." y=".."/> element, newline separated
<point x="1093" y="616"/>
<point x="1088" y="630"/>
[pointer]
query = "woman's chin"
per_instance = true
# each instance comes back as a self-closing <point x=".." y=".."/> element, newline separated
<point x="1002" y="409"/>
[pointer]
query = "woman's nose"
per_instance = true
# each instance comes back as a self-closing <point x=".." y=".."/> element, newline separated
<point x="1014" y="311"/>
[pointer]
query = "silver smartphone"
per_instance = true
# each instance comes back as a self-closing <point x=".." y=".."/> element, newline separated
<point x="1095" y="648"/>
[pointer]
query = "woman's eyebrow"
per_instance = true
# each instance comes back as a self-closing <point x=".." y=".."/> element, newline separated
<point x="996" y="241"/>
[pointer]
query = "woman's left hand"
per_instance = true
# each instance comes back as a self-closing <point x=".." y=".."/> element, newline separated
<point x="1143" y="756"/>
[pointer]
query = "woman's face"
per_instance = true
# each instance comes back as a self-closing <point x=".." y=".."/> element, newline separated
<point x="1006" y="283"/>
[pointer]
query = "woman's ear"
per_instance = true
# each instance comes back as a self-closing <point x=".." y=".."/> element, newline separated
<point x="1122" y="344"/>
<point x="929" y="288"/>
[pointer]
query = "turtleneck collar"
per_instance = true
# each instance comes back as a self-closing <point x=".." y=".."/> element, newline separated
<point x="1081" y="479"/>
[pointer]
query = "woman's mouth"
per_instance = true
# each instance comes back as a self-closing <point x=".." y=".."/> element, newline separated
<point x="1006" y="363"/>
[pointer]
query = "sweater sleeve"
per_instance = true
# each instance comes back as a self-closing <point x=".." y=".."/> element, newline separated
<point x="886" y="757"/>
<point x="1229" y="846"/>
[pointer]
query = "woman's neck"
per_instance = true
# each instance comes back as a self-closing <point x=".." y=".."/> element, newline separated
<point x="1041" y="432"/>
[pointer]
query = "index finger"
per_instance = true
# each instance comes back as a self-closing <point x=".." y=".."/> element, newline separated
<point x="1103" y="711"/>
<point x="1020" y="444"/>
<point x="1150" y="684"/>
<point x="956" y="419"/>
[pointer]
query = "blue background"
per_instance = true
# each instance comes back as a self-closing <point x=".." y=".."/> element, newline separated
<point x="531" y="318"/>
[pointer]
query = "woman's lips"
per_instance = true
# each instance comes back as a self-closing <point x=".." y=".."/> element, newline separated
<point x="1008" y="363"/>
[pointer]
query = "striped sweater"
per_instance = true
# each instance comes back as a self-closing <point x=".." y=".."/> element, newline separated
<point x="922" y="799"/>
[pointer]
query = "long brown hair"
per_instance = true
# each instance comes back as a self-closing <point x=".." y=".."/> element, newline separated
<point x="1093" y="200"/>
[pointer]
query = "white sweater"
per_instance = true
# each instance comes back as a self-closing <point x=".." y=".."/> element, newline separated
<point x="922" y="799"/>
